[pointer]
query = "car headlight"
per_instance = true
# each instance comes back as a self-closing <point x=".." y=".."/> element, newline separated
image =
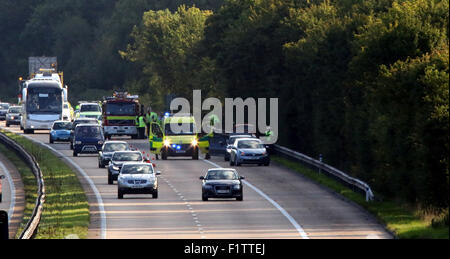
<point x="115" y="168"/>
<point x="77" y="142"/>
<point x="100" y="142"/>
<point x="237" y="187"/>
<point x="207" y="186"/>
<point x="166" y="142"/>
<point x="194" y="142"/>
<point x="242" y="154"/>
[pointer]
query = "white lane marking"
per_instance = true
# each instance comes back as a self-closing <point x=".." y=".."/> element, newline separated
<point x="274" y="203"/>
<point x="101" y="206"/>
<point x="12" y="189"/>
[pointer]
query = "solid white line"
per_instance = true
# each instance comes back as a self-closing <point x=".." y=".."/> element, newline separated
<point x="101" y="206"/>
<point x="274" y="203"/>
<point x="12" y="188"/>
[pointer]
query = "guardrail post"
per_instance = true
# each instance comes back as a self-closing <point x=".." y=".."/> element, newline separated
<point x="320" y="159"/>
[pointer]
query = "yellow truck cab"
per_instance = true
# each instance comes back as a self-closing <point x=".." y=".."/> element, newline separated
<point x="176" y="136"/>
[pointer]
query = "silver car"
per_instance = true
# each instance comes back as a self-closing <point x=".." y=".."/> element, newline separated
<point x="13" y="115"/>
<point x="137" y="178"/>
<point x="3" y="110"/>
<point x="109" y="147"/>
<point x="249" y="151"/>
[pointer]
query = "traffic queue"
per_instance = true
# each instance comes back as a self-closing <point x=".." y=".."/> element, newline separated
<point x="94" y="124"/>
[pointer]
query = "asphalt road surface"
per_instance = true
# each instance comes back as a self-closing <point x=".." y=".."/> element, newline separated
<point x="278" y="203"/>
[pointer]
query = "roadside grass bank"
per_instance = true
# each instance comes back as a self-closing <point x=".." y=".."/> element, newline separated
<point x="66" y="209"/>
<point x="405" y="222"/>
<point x="29" y="182"/>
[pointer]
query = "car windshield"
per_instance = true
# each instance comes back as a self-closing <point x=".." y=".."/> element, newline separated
<point x="222" y="175"/>
<point x="179" y="129"/>
<point x="75" y="123"/>
<point x="137" y="169"/>
<point x="250" y="144"/>
<point x="90" y="108"/>
<point x="90" y="116"/>
<point x="127" y="157"/>
<point x="112" y="147"/>
<point x="88" y="132"/>
<point x="4" y="106"/>
<point x="62" y="126"/>
<point x="232" y="139"/>
<point x="14" y="110"/>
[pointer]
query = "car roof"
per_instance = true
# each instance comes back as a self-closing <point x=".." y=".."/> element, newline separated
<point x="128" y="151"/>
<point x="86" y="125"/>
<point x="222" y="169"/>
<point x="241" y="139"/>
<point x="60" y="121"/>
<point x="115" y="142"/>
<point x="85" y="118"/>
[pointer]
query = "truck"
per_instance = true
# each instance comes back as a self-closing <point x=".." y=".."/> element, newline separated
<point x="42" y="97"/>
<point x="119" y="114"/>
<point x="176" y="136"/>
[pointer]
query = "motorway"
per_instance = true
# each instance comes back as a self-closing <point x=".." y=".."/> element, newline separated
<point x="278" y="203"/>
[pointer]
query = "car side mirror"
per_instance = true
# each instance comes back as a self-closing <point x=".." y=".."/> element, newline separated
<point x="2" y="177"/>
<point x="202" y="178"/>
<point x="241" y="177"/>
<point x="267" y="146"/>
<point x="158" y="172"/>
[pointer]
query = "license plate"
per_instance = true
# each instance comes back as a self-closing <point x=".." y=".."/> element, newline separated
<point x="121" y="131"/>
<point x="223" y="191"/>
<point x="136" y="186"/>
<point x="181" y="151"/>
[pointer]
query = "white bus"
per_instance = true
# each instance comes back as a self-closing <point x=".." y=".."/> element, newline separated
<point x="43" y="99"/>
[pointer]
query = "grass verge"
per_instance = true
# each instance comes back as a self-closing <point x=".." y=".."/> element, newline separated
<point x="66" y="209"/>
<point x="403" y="221"/>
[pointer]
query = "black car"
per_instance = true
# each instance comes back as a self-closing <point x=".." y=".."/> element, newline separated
<point x="117" y="160"/>
<point x="77" y="122"/>
<point x="88" y="139"/>
<point x="222" y="183"/>
<point x="108" y="149"/>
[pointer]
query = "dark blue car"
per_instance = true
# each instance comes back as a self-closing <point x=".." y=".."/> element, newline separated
<point x="60" y="131"/>
<point x="87" y="139"/>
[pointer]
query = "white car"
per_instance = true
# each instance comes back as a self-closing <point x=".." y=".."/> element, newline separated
<point x="137" y="178"/>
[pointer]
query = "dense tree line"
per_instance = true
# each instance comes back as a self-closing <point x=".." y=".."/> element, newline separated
<point x="365" y="83"/>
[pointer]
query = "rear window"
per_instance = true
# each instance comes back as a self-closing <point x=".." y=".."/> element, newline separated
<point x="14" y="110"/>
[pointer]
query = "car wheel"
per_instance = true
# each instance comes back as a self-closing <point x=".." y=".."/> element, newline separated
<point x="207" y="156"/>
<point x="241" y="198"/>
<point x="267" y="164"/>
<point x="204" y="198"/>
<point x="7" y="125"/>
<point x="226" y="158"/>
<point x="163" y="155"/>
<point x="71" y="146"/>
<point x="51" y="140"/>
<point x="155" y="194"/>
<point x="75" y="153"/>
<point x="119" y="194"/>
<point x="110" y="179"/>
